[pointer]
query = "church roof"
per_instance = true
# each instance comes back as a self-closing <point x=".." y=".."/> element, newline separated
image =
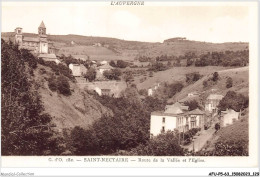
<point x="42" y="25"/>
<point x="31" y="39"/>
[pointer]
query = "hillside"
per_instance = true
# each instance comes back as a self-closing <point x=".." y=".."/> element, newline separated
<point x="175" y="74"/>
<point x="240" y="77"/>
<point x="78" y="109"/>
<point x="115" y="49"/>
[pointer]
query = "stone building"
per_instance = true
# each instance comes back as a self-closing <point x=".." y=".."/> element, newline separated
<point x="36" y="45"/>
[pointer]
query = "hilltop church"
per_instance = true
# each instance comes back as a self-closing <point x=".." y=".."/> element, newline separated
<point x="40" y="46"/>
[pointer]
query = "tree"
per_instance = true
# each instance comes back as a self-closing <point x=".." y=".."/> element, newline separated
<point x="162" y="145"/>
<point x="215" y="77"/>
<point x="63" y="85"/>
<point x="193" y="104"/>
<point x="91" y="74"/>
<point x="113" y="74"/>
<point x="217" y="126"/>
<point x="121" y="64"/>
<point x="234" y="101"/>
<point x="112" y="63"/>
<point x="26" y="129"/>
<point x="229" y="82"/>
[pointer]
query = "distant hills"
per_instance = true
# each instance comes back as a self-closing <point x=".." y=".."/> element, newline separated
<point x="113" y="49"/>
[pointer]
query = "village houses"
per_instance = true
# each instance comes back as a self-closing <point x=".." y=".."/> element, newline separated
<point x="152" y="89"/>
<point x="176" y="117"/>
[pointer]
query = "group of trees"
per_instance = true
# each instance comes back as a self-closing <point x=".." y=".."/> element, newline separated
<point x="113" y="74"/>
<point x="193" y="77"/>
<point x="168" y="90"/>
<point x="26" y="129"/>
<point x="193" y="104"/>
<point x="60" y="84"/>
<point x="227" y="58"/>
<point x="119" y="64"/>
<point x="233" y="100"/>
<point x="70" y="59"/>
<point x="211" y="80"/>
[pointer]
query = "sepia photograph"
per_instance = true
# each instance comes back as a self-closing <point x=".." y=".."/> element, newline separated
<point x="129" y="82"/>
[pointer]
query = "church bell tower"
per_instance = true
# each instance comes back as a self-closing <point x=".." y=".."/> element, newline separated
<point x="18" y="36"/>
<point x="43" y="45"/>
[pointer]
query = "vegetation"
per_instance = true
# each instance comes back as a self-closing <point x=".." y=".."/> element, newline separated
<point x="119" y="64"/>
<point x="165" y="144"/>
<point x="113" y="74"/>
<point x="166" y="90"/>
<point x="157" y="66"/>
<point x="193" y="104"/>
<point x="233" y="100"/>
<point x="91" y="74"/>
<point x="229" y="82"/>
<point x="58" y="69"/>
<point x="227" y="58"/>
<point x="26" y="129"/>
<point x="186" y="138"/>
<point x="193" y="77"/>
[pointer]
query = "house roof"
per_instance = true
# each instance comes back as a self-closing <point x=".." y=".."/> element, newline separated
<point x="31" y="39"/>
<point x="176" y="108"/>
<point x="160" y="113"/>
<point x="42" y="25"/>
<point x="47" y="55"/>
<point x="195" y="112"/>
<point x="215" y="97"/>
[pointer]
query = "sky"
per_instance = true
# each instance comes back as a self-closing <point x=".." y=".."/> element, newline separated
<point x="147" y="23"/>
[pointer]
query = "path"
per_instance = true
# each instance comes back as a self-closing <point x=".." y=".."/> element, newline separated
<point x="201" y="140"/>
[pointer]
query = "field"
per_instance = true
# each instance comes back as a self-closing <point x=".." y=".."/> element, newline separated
<point x="175" y="74"/>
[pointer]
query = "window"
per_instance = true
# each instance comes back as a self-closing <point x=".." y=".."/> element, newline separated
<point x="163" y="129"/>
<point x="163" y="120"/>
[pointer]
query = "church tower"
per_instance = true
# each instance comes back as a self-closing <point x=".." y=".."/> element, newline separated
<point x="43" y="43"/>
<point x="18" y="36"/>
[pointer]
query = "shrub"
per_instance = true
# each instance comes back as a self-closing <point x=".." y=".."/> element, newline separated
<point x="217" y="126"/>
<point x="193" y="104"/>
<point x="229" y="82"/>
<point x="90" y="75"/>
<point x="192" y="77"/>
<point x="113" y="74"/>
<point x="63" y="86"/>
<point x="215" y="77"/>
<point x="205" y="83"/>
<point x="52" y="83"/>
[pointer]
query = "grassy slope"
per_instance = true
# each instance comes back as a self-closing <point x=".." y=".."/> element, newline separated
<point x="175" y="74"/>
<point x="79" y="109"/>
<point x="240" y="78"/>
<point x="238" y="131"/>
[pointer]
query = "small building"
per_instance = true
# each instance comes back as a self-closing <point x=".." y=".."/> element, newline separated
<point x="212" y="102"/>
<point x="152" y="89"/>
<point x="77" y="69"/>
<point x="228" y="117"/>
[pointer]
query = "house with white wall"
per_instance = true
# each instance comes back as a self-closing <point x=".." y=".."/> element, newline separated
<point x="175" y="117"/>
<point x="228" y="117"/>
<point x="77" y="69"/>
<point x="212" y="102"/>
